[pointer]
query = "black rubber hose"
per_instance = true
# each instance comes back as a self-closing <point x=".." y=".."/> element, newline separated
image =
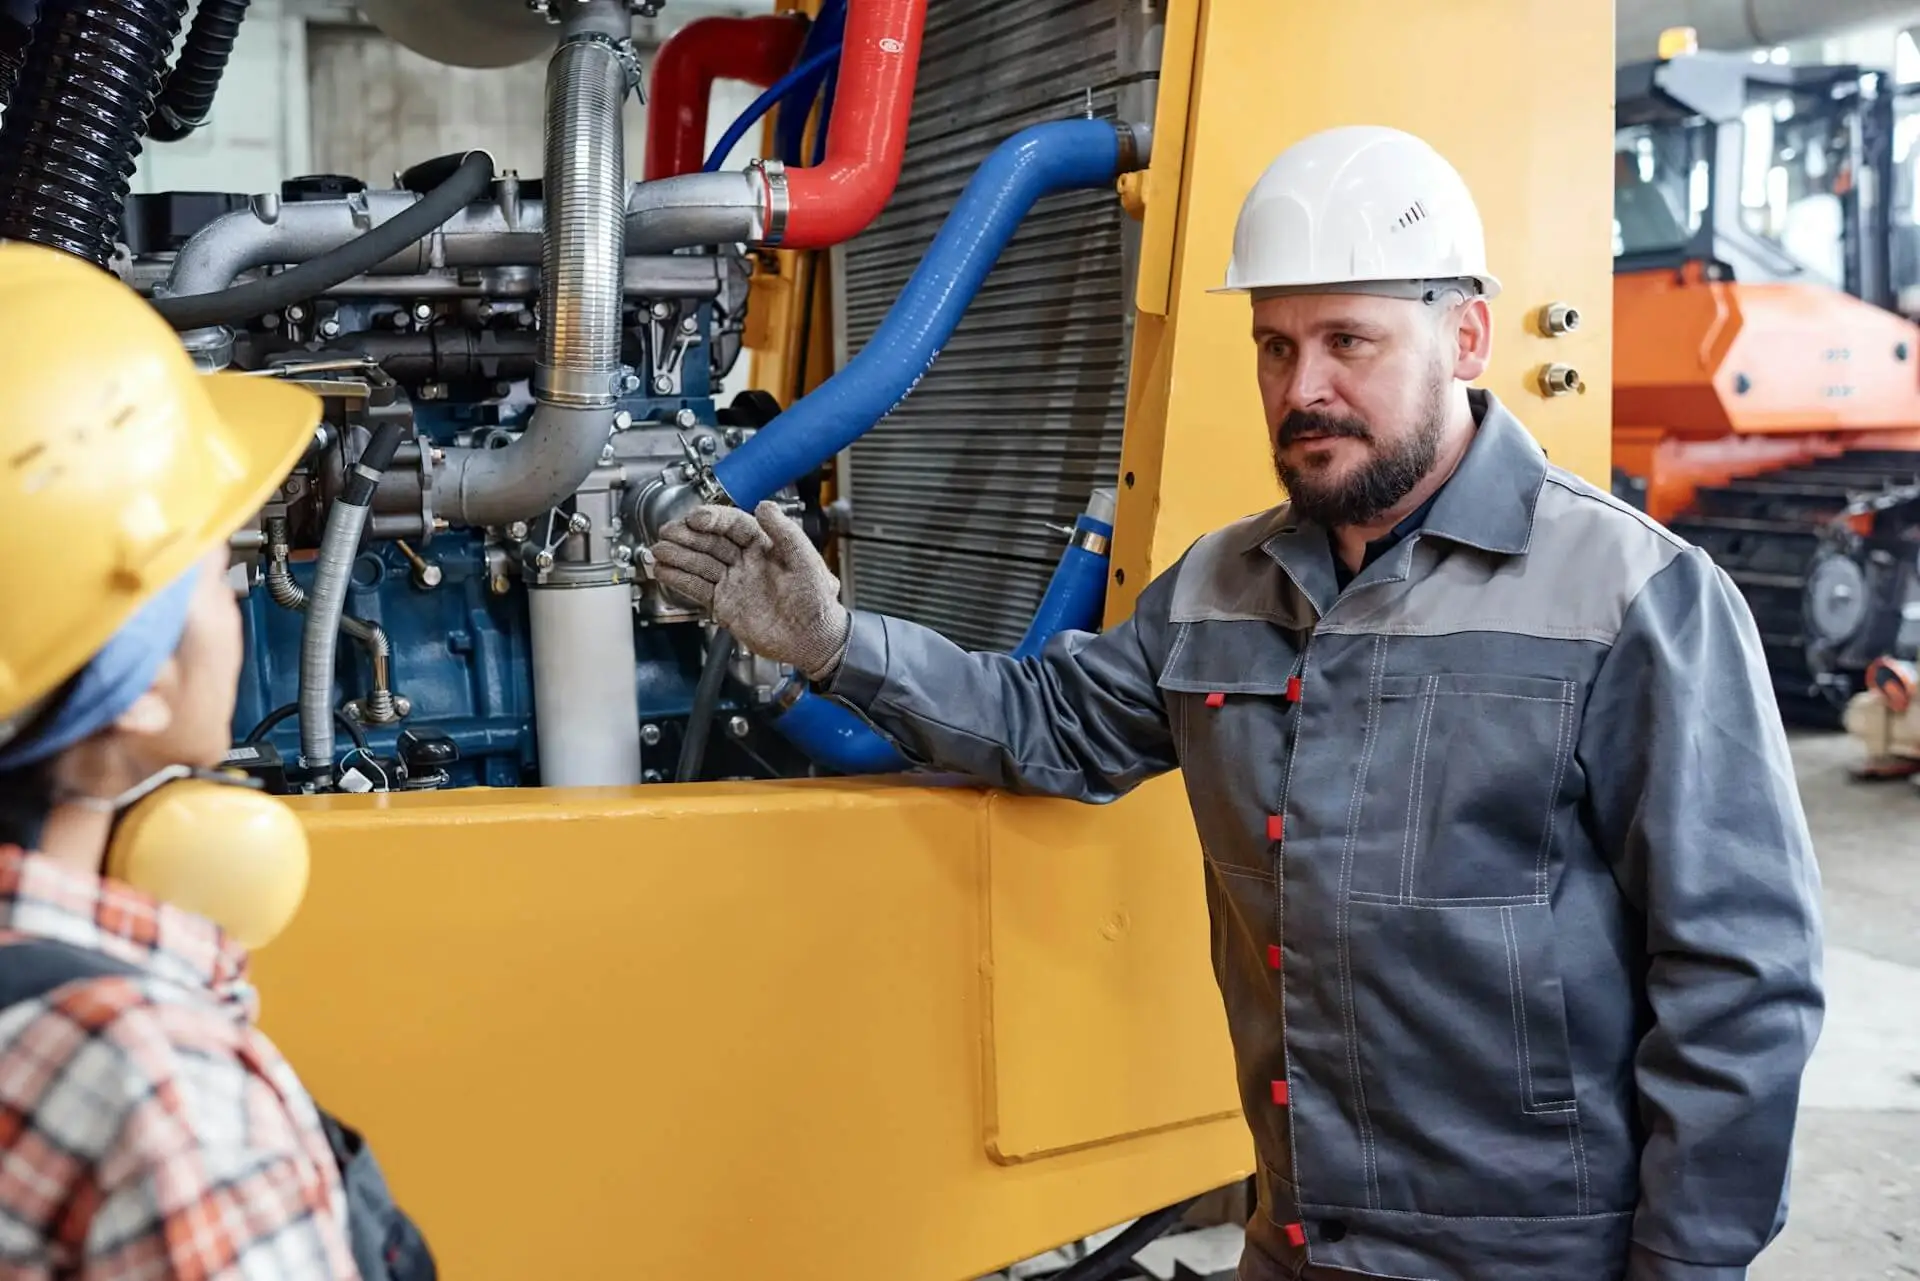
<point x="1107" y="1261"/>
<point x="72" y="130"/>
<point x="706" y="703"/>
<point x="287" y="710"/>
<point x="15" y="36"/>
<point x="196" y="311"/>
<point x="187" y="95"/>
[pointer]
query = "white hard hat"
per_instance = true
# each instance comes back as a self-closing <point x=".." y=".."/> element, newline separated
<point x="1360" y="208"/>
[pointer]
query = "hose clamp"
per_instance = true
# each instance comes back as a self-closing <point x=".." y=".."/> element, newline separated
<point x="1091" y="540"/>
<point x="777" y="203"/>
<point x="575" y="388"/>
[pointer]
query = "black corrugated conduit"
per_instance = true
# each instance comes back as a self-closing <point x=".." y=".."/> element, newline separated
<point x="186" y="97"/>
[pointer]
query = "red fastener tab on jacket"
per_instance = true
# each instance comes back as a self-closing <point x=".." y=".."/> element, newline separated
<point x="1276" y="826"/>
<point x="1280" y="1093"/>
<point x="1273" y="956"/>
<point x="1296" y="1234"/>
<point x="1216" y="699"/>
<point x="1293" y="689"/>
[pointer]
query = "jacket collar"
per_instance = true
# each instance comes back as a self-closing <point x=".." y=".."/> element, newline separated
<point x="1488" y="503"/>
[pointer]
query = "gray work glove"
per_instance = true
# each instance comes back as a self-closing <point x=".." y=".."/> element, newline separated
<point x="758" y="576"/>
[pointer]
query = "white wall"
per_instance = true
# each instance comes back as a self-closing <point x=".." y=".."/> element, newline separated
<point x="382" y="107"/>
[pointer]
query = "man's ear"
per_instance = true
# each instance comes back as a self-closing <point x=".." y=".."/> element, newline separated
<point x="1473" y="340"/>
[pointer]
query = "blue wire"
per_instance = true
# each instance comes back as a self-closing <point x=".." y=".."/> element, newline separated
<point x="764" y="103"/>
<point x="828" y="28"/>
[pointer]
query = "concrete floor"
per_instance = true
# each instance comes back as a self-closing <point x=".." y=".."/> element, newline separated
<point x="1855" y="1209"/>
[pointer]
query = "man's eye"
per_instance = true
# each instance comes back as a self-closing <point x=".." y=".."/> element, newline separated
<point x="1345" y="342"/>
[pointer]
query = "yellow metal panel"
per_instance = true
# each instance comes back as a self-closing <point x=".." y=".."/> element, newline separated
<point x="1104" y="1018"/>
<point x="693" y="1031"/>
<point x="859" y="1031"/>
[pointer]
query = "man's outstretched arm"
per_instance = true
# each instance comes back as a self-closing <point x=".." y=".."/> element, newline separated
<point x="1083" y="719"/>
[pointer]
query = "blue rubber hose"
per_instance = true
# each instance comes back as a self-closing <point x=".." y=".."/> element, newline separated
<point x="776" y="91"/>
<point x="1077" y="592"/>
<point x="1060" y="156"/>
<point x="827" y="31"/>
<point x="833" y="735"/>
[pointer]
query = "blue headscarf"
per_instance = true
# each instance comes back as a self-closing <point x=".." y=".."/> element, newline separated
<point x="123" y="670"/>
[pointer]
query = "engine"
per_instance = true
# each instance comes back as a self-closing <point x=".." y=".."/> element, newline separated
<point x="519" y="374"/>
<point x="439" y="677"/>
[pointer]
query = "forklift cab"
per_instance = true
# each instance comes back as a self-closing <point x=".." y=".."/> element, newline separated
<point x="1768" y="173"/>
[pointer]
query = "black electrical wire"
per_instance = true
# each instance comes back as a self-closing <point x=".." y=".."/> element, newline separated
<point x="284" y="712"/>
<point x="706" y="704"/>
<point x="1107" y="1261"/>
<point x="71" y="135"/>
<point x="186" y="96"/>
<point x="467" y="184"/>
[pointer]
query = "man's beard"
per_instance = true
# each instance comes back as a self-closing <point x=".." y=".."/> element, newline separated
<point x="1370" y="490"/>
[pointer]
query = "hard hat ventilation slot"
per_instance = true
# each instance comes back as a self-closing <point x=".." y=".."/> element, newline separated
<point x="1416" y="212"/>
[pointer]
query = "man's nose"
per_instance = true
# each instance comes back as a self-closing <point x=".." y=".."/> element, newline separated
<point x="1311" y="384"/>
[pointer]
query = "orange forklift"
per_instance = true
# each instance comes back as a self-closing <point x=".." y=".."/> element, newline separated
<point x="1766" y="399"/>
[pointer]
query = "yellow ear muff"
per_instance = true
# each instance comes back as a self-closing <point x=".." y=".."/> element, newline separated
<point x="230" y="853"/>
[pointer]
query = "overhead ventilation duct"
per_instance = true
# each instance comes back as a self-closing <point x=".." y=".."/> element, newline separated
<point x="1749" y="24"/>
<point x="465" y="33"/>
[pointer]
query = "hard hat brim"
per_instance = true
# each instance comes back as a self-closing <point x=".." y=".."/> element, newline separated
<point x="274" y="423"/>
<point x="1489" y="287"/>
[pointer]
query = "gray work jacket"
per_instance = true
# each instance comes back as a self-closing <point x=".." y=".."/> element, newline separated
<point x="1514" y="909"/>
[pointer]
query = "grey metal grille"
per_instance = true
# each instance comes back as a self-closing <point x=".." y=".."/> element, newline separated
<point x="1020" y="418"/>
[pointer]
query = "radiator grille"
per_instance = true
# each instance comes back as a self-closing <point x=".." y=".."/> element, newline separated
<point x="1020" y="418"/>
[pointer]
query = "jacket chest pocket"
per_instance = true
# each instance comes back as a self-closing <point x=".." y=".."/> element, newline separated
<point x="1464" y="784"/>
<point x="1231" y="694"/>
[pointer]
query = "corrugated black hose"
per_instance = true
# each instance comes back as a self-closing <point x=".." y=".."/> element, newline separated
<point x="72" y="129"/>
<point x="1109" y="1259"/>
<point x="186" y="97"/>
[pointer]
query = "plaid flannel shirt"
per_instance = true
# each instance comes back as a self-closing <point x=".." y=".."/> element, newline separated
<point x="150" y="1130"/>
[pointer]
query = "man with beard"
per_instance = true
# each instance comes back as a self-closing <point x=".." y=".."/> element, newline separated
<point x="1514" y="903"/>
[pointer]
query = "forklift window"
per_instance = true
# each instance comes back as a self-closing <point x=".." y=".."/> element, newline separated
<point x="1660" y="185"/>
<point x="1796" y="175"/>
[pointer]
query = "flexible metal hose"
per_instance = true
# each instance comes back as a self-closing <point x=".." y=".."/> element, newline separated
<point x="585" y="230"/>
<point x="73" y="126"/>
<point x="319" y="641"/>
<point x="289" y="595"/>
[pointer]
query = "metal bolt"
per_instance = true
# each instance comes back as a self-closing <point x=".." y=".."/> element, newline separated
<point x="1559" y="318"/>
<point x="431" y="576"/>
<point x="630" y="383"/>
<point x="622" y="420"/>
<point x="296" y="313"/>
<point x="733" y="437"/>
<point x="579" y="523"/>
<point x="543" y="560"/>
<point x="707" y="445"/>
<point x="1560" y="380"/>
<point x="499" y="585"/>
<point x="737" y="726"/>
<point x="686" y="418"/>
<point x="688" y="325"/>
<point x="606" y="453"/>
<point x="423" y="311"/>
<point x="484" y="311"/>
<point x="662" y="384"/>
<point x="329" y="328"/>
<point x="650" y="735"/>
<point x="517" y="531"/>
<point x="661" y="311"/>
<point x="399" y="319"/>
<point x="623" y="555"/>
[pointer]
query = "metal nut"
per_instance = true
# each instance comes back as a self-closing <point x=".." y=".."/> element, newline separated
<point x="579" y="522"/>
<point x="1559" y="318"/>
<point x="517" y="530"/>
<point x="738" y="726"/>
<point x="1560" y="380"/>
<point x="650" y="735"/>
<point x="622" y="420"/>
<point x="686" y="418"/>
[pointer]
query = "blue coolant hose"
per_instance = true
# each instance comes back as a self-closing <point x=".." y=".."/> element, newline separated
<point x="831" y="734"/>
<point x="1060" y="156"/>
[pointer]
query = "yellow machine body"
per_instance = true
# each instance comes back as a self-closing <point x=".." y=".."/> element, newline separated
<point x="862" y="1030"/>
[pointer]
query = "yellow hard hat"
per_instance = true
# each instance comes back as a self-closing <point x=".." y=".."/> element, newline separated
<point x="120" y="463"/>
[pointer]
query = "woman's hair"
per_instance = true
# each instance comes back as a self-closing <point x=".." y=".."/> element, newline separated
<point x="26" y="792"/>
<point x="26" y="798"/>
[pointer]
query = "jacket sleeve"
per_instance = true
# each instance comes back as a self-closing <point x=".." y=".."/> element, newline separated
<point x="1083" y="719"/>
<point x="1695" y="806"/>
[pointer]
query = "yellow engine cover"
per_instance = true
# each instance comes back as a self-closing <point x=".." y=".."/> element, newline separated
<point x="859" y="1030"/>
